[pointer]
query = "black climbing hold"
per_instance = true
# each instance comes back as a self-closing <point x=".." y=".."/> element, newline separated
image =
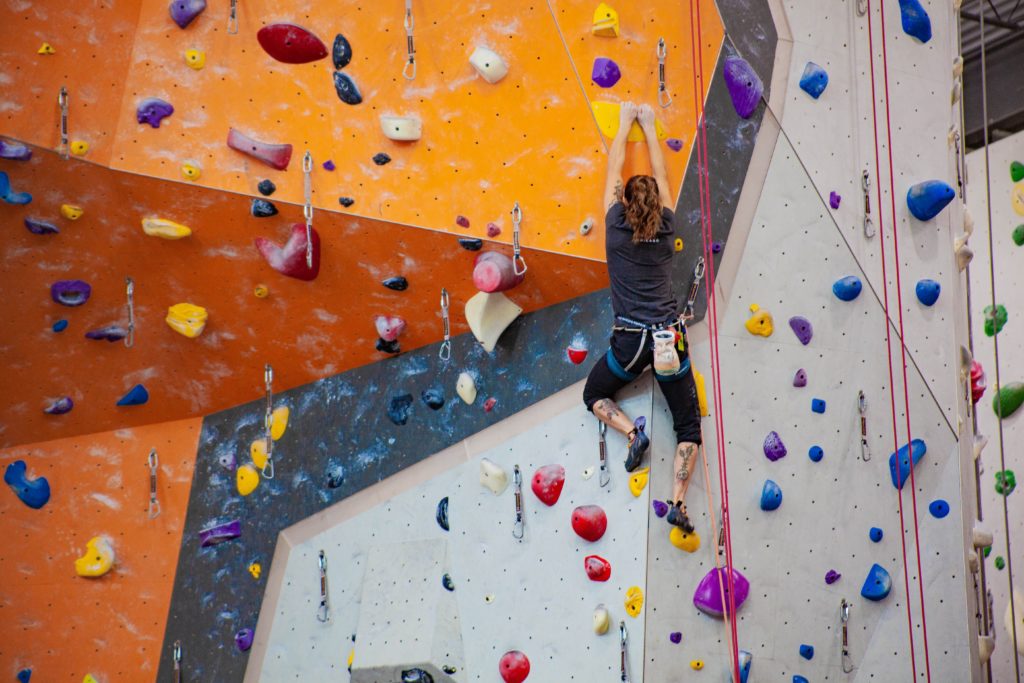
<point x="342" y="52"/>
<point x="442" y="513"/>
<point x="470" y="243"/>
<point x="346" y="88"/>
<point x="261" y="208"/>
<point x="266" y="187"/>
<point x="416" y="676"/>
<point x="391" y="347"/>
<point x="346" y="201"/>
<point x="448" y="669"/>
<point x="397" y="283"/>
<point x="434" y="398"/>
<point x="447" y="582"/>
<point x="335" y="476"/>
<point x="381" y="158"/>
<point x="399" y="408"/>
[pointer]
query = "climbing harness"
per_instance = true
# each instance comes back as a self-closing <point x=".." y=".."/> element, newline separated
<point x="517" y="479"/>
<point x="517" y="257"/>
<point x="307" y="207"/>
<point x="664" y="99"/>
<point x="844" y="616"/>
<point x="176" y="655"/>
<point x="623" y="642"/>
<point x="445" y="352"/>
<point x="268" y="419"/>
<point x="865" y="185"/>
<point x="691" y="298"/>
<point x="62" y="102"/>
<point x="862" y="408"/>
<point x="323" y="612"/>
<point x="602" y="450"/>
<point x="233" y="18"/>
<point x="129" y="286"/>
<point x="410" y="65"/>
<point x="154" y="504"/>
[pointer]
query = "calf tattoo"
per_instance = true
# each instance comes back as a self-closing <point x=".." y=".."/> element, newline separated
<point x="608" y="407"/>
<point x="686" y="451"/>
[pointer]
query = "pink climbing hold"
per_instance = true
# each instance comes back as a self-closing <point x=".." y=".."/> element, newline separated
<point x="461" y="221"/>
<point x="514" y="667"/>
<point x="290" y="259"/>
<point x="389" y="327"/>
<point x="493" y="230"/>
<point x="547" y="483"/>
<point x="978" y="381"/>
<point x="275" y="156"/>
<point x="597" y="568"/>
<point x="489" y="404"/>
<point x="589" y="522"/>
<point x="494" y="272"/>
<point x="577" y="354"/>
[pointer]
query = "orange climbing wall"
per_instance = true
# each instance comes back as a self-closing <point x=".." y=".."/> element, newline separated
<point x="99" y="486"/>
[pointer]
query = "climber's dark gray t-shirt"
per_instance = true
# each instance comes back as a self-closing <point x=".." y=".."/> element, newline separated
<point x="640" y="274"/>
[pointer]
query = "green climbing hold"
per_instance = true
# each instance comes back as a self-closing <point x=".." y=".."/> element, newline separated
<point x="1006" y="482"/>
<point x="988" y="550"/>
<point x="1008" y="399"/>
<point x="1018" y="235"/>
<point x="1000" y="562"/>
<point x="1016" y="171"/>
<point x="994" y="320"/>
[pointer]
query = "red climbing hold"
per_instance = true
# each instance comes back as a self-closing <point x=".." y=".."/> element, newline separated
<point x="514" y="667"/>
<point x="577" y="354"/>
<point x="589" y="522"/>
<point x="494" y="272"/>
<point x="389" y="327"/>
<point x="978" y="381"/>
<point x="290" y="259"/>
<point x="291" y="44"/>
<point x="275" y="156"/>
<point x="597" y="568"/>
<point x="548" y="482"/>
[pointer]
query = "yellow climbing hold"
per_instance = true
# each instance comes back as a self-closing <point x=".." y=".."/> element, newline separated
<point x="1017" y="198"/>
<point x="196" y="59"/>
<point x="634" y="601"/>
<point x="190" y="170"/>
<point x="98" y="558"/>
<point x="72" y="213"/>
<point x="607" y="116"/>
<point x="247" y="479"/>
<point x="760" y="322"/>
<point x="255" y="569"/>
<point x="697" y="664"/>
<point x="187" y="319"/>
<point x="602" y="620"/>
<point x="638" y="482"/>
<point x="168" y="230"/>
<point x="79" y="148"/>
<point x="684" y="541"/>
<point x="279" y="422"/>
<point x="702" y="397"/>
<point x="679" y="244"/>
<point x="351" y="658"/>
<point x="606" y="21"/>
<point x="46" y="49"/>
<point x="261" y="291"/>
<point x="258" y="453"/>
<point x="89" y="678"/>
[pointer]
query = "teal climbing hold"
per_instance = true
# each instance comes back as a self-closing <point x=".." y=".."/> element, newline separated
<point x="1008" y="399"/>
<point x="771" y="496"/>
<point x="847" y="288"/>
<point x="908" y="456"/>
<point x="915" y="20"/>
<point x="814" y="80"/>
<point x="136" y="396"/>
<point x="32" y="492"/>
<point x="925" y="200"/>
<point x="877" y="584"/>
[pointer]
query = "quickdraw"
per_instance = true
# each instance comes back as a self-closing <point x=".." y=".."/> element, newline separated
<point x="445" y="352"/>
<point x="410" y="65"/>
<point x="862" y="408"/>
<point x="691" y="298"/>
<point x="268" y="419"/>
<point x="176" y="656"/>
<point x="323" y="613"/>
<point x="865" y="184"/>
<point x="307" y="208"/>
<point x="961" y="180"/>
<point x="129" y="286"/>
<point x="154" y="505"/>
<point x="623" y="642"/>
<point x="844" y="616"/>
<point x="233" y="18"/>
<point x="517" y="258"/>
<point x="602" y="448"/>
<point x="517" y="479"/>
<point x="664" y="98"/>
<point x="62" y="102"/>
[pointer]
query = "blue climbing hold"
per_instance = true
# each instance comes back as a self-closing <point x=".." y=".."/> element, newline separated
<point x="24" y="676"/>
<point x="816" y="453"/>
<point x="9" y="195"/>
<point x="771" y="496"/>
<point x="907" y="453"/>
<point x="136" y="396"/>
<point x="877" y="584"/>
<point x="807" y="651"/>
<point x="875" y="534"/>
<point x="925" y="200"/>
<point x="32" y="492"/>
<point x="262" y="208"/>
<point x="939" y="508"/>
<point x="928" y="291"/>
<point x="818" y="405"/>
<point x="471" y="243"/>
<point x="399" y="408"/>
<point x="847" y="288"/>
<point x="797" y="678"/>
<point x="745" y="88"/>
<point x="745" y="661"/>
<point x="915" y="20"/>
<point x="60" y="325"/>
<point x="814" y="80"/>
<point x="434" y="398"/>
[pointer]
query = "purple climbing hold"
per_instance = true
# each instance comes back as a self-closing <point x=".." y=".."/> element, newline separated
<point x="110" y="333"/>
<point x="328" y="165"/>
<point x="744" y="86"/>
<point x="660" y="507"/>
<point x="184" y="11"/>
<point x="674" y="144"/>
<point x="38" y="227"/>
<point x="15" y="151"/>
<point x="802" y="329"/>
<point x="219" y="533"/>
<point x="606" y="72"/>
<point x="709" y="597"/>
<point x="773" y="446"/>
<point x="834" y="199"/>
<point x="800" y="378"/>
<point x="60" y="406"/>
<point x="153" y="110"/>
<point x="243" y="639"/>
<point x="831" y="576"/>
<point x="717" y="247"/>
<point x="676" y="637"/>
<point x="70" y="292"/>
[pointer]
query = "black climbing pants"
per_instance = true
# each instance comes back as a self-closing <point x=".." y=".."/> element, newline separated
<point x="628" y="354"/>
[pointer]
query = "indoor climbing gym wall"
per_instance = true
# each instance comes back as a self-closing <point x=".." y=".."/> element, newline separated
<point x="304" y="295"/>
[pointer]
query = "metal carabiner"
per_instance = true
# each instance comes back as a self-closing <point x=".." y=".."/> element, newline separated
<point x="323" y="612"/>
<point x="62" y="102"/>
<point x="410" y="65"/>
<point x="176" y="656"/>
<point x="517" y="257"/>
<point x="129" y="286"/>
<point x="233" y="18"/>
<point x="862" y="408"/>
<point x="844" y="616"/>
<point x="517" y="479"/>
<point x="602" y="449"/>
<point x="154" y="505"/>
<point x="865" y="184"/>
<point x="623" y="642"/>
<point x="664" y="99"/>
<point x="268" y="420"/>
<point x="445" y="352"/>
<point x="691" y="298"/>
<point x="307" y="207"/>
<point x="960" y="172"/>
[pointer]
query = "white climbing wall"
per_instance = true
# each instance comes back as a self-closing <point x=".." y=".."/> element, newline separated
<point x="1009" y="278"/>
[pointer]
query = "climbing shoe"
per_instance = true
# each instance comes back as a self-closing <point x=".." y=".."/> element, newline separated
<point x="639" y="442"/>
<point x="677" y="517"/>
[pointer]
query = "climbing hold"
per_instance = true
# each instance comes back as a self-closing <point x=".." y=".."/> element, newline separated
<point x="441" y="514"/>
<point x="471" y="243"/>
<point x="447" y="582"/>
<point x="576" y="352"/>
<point x="165" y="229"/>
<point x="291" y="44"/>
<point x="261" y="208"/>
<point x="831" y="576"/>
<point x="847" y="288"/>
<point x="60" y="406"/>
<point x="279" y="422"/>
<point x="773" y="446"/>
<point x="607" y="116"/>
<point x="815" y="453"/>
<point x="638" y="481"/>
<point x="461" y="221"/>
<point x="136" y="396"/>
<point x="760" y="322"/>
<point x="15" y="151"/>
<point x="995" y="319"/>
<point x="381" y="158"/>
<point x="1018" y="235"/>
<point x="547" y="485"/>
<point x="674" y="144"/>
<point x="261" y="291"/>
<point x="98" y="558"/>
<point x="800" y="378"/>
<point x="605" y="73"/>
<point x="745" y="88"/>
<point x="602" y="620"/>
<point x="1016" y="171"/>
<point x="606" y="21"/>
<point x="493" y="230"/>
<point x="494" y="272"/>
<point x="183" y="12"/>
<point x="1000" y="562"/>
<point x="70" y="292"/>
<point x="71" y="212"/>
<point x="634" y="601"/>
<point x="1006" y="482"/>
<point x="465" y="387"/>
<point x="802" y="329"/>
<point x="1017" y="198"/>
<point x="341" y="52"/>
<point x="696" y="664"/>
<point x="908" y="456"/>
<point x="834" y="199"/>
<point x="708" y="597"/>
<point x="246" y="479"/>
<point x="220" y="533"/>
<point x="389" y="327"/>
<point x="877" y="584"/>
<point x="328" y="165"/>
<point x="589" y="522"/>
<point x="488" y="64"/>
<point x="514" y="667"/>
<point x="797" y="678"/>
<point x="398" y="283"/>
<point x="32" y="492"/>
<point x="187" y="319"/>
<point x="745" y="661"/>
<point x="678" y="246"/>
<point x="925" y="200"/>
<point x="190" y="170"/>
<point x="687" y="542"/>
<point x="89" y="678"/>
<point x="660" y="507"/>
<point x="243" y="639"/>
<point x="927" y="291"/>
<point x="290" y="259"/>
<point x="771" y="496"/>
<point x="488" y="315"/>
<point x="399" y="408"/>
<point x="597" y="568"/>
<point x="227" y="461"/>
<point x="38" y="227"/>
<point x="46" y="49"/>
<point x="153" y="110"/>
<point x="978" y="381"/>
<point x="335" y="476"/>
<point x="9" y="195"/>
<point x="939" y="508"/>
<point x="817" y="405"/>
<point x="807" y="652"/>
<point x="346" y="89"/>
<point x="433" y="398"/>
<point x="24" y="676"/>
<point x="492" y="476"/>
<point x="675" y="637"/>
<point x="79" y="148"/>
<point x="915" y="20"/>
<point x="963" y="253"/>
<point x="195" y="59"/>
<point x="875" y="534"/>
<point x="60" y="325"/>
<point x="273" y="155"/>
<point x="702" y="399"/>
<point x="814" y="81"/>
<point x="1008" y="399"/>
<point x="266" y="187"/>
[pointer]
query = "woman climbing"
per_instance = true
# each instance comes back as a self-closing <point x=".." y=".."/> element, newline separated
<point x="639" y="246"/>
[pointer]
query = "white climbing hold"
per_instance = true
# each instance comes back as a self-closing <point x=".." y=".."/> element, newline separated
<point x="588" y="472"/>
<point x="964" y="254"/>
<point x="968" y="222"/>
<point x="492" y="476"/>
<point x="986" y="645"/>
<point x="465" y="387"/>
<point x="401" y="128"/>
<point x="489" y="64"/>
<point x="981" y="538"/>
<point x="980" y="441"/>
<point x="602" y="620"/>
<point x="488" y="315"/>
<point x="587" y="226"/>
<point x="1018" y="610"/>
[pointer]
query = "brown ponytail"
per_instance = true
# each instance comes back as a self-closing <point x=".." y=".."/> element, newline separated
<point x="643" y="207"/>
